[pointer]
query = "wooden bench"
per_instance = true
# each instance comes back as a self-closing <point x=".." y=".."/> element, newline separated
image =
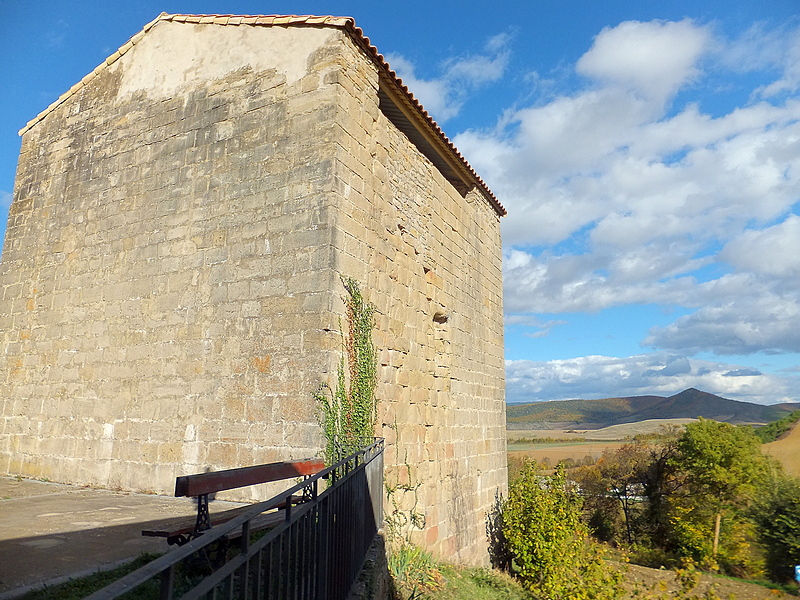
<point x="202" y="485"/>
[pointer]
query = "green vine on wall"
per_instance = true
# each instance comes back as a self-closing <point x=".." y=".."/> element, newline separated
<point x="349" y="409"/>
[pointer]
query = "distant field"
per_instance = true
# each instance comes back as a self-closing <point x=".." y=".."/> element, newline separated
<point x="589" y="443"/>
<point x="593" y="443"/>
<point x="614" y="432"/>
<point x="554" y="453"/>
<point x="787" y="450"/>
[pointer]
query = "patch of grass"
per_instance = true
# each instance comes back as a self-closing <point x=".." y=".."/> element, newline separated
<point x="417" y="575"/>
<point x="77" y="589"/>
<point x="477" y="584"/>
<point x="415" y="572"/>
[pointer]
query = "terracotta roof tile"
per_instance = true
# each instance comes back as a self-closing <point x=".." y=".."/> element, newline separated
<point x="346" y="23"/>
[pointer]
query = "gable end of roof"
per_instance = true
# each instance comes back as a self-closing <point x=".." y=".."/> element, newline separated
<point x="454" y="164"/>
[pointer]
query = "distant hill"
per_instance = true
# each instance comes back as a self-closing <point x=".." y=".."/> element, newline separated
<point x="594" y="414"/>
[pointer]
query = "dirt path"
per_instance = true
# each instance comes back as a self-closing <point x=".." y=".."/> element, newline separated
<point x="725" y="588"/>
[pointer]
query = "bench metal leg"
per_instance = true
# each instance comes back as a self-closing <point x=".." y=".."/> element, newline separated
<point x="203" y="522"/>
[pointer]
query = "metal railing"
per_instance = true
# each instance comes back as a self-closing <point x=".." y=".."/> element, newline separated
<point x="316" y="552"/>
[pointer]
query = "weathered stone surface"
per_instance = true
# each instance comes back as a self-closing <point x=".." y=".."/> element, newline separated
<point x="170" y="277"/>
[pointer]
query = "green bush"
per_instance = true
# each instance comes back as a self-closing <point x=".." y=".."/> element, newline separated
<point x="777" y="515"/>
<point x="552" y="554"/>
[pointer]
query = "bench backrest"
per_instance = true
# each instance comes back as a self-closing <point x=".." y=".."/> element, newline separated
<point x="217" y="481"/>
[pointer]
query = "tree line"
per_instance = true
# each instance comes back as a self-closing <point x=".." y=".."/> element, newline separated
<point x="702" y="495"/>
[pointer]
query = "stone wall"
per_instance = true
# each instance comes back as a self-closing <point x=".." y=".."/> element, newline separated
<point x="170" y="277"/>
<point x="431" y="260"/>
<point x="167" y="275"/>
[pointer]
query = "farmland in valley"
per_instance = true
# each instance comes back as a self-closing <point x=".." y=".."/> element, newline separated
<point x="555" y="445"/>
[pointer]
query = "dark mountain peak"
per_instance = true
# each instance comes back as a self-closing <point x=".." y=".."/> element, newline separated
<point x="694" y="393"/>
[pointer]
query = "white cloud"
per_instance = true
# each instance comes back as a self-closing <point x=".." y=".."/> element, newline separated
<point x="593" y="281"/>
<point x="762" y="321"/>
<point x="652" y="59"/>
<point x="444" y="96"/>
<point x="659" y="374"/>
<point x="779" y="49"/>
<point x="529" y="321"/>
<point x="772" y="251"/>
<point x="743" y="372"/>
<point x="433" y="94"/>
<point x="599" y="161"/>
<point x="674" y="366"/>
<point x="616" y="197"/>
<point x="758" y="48"/>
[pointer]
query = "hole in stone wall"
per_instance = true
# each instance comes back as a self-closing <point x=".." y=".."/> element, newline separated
<point x="440" y="317"/>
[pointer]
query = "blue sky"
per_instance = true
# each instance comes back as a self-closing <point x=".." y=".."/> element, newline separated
<point x="648" y="154"/>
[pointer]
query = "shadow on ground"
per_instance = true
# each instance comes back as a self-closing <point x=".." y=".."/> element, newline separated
<point x="50" y="532"/>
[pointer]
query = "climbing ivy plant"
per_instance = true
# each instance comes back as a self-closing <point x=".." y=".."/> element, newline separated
<point x="349" y="409"/>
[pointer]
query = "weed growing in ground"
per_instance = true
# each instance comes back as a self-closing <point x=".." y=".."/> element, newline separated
<point x="77" y="589"/>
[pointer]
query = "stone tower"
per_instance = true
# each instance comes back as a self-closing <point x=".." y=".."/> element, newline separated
<point x="171" y="293"/>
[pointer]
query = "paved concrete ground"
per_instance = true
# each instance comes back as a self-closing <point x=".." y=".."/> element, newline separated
<point x="51" y="531"/>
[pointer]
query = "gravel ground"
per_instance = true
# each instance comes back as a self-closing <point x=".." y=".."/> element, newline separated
<point x="725" y="588"/>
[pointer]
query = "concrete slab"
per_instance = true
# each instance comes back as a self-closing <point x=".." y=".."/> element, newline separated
<point x="50" y="531"/>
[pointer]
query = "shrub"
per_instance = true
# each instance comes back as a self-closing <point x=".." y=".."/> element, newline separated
<point x="777" y="514"/>
<point x="414" y="571"/>
<point x="552" y="554"/>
